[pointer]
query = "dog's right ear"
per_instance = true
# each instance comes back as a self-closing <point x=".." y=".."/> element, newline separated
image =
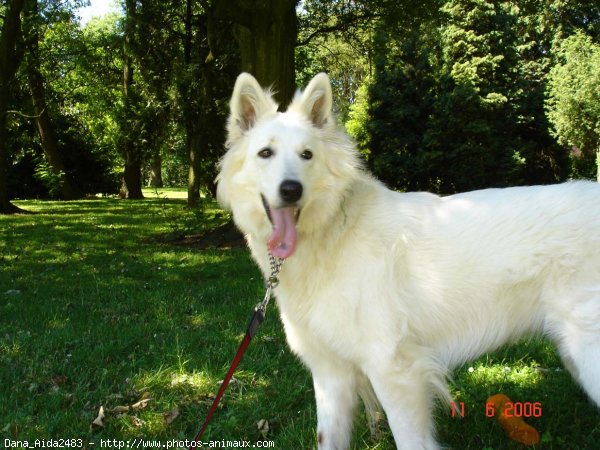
<point x="248" y="103"/>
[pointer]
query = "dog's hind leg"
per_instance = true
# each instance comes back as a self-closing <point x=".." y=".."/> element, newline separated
<point x="578" y="339"/>
<point x="336" y="395"/>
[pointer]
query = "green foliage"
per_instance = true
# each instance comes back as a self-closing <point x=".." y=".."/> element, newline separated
<point x="475" y="110"/>
<point x="344" y="54"/>
<point x="401" y="100"/>
<point x="52" y="181"/>
<point x="443" y="95"/>
<point x="358" y="118"/>
<point x="92" y="90"/>
<point x="88" y="161"/>
<point x="573" y="104"/>
<point x="457" y="101"/>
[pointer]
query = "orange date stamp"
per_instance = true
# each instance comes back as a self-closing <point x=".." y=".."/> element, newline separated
<point x="514" y="409"/>
<point x="507" y="409"/>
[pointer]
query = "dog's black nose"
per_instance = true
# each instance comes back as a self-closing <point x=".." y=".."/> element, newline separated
<point x="290" y="191"/>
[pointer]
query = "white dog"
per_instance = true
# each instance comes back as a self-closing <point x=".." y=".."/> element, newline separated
<point x="383" y="293"/>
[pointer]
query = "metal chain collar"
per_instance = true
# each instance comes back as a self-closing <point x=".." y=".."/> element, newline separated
<point x="271" y="282"/>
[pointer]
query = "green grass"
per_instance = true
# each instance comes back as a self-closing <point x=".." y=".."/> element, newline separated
<point x="96" y="310"/>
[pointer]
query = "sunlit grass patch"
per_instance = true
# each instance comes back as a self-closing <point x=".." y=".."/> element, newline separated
<point x="515" y="374"/>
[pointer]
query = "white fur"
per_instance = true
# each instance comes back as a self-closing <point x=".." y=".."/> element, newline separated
<point x="387" y="292"/>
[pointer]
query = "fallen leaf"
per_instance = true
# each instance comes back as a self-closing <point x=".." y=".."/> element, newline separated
<point x="136" y="422"/>
<point x="120" y="409"/>
<point x="171" y="416"/>
<point x="263" y="427"/>
<point x="98" y="423"/>
<point x="141" y="404"/>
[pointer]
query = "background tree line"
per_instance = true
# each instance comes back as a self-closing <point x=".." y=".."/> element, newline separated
<point x="443" y="95"/>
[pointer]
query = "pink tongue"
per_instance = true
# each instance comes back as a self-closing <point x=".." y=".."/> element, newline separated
<point x="282" y="241"/>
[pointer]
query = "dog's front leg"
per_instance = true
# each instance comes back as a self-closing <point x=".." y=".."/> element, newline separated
<point x="335" y="392"/>
<point x="406" y="397"/>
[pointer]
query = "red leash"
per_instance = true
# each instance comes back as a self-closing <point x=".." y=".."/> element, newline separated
<point x="255" y="321"/>
<point x="257" y="318"/>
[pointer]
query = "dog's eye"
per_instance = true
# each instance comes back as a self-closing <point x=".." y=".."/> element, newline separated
<point x="306" y="154"/>
<point x="265" y="153"/>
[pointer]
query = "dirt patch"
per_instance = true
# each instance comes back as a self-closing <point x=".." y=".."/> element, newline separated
<point x="223" y="237"/>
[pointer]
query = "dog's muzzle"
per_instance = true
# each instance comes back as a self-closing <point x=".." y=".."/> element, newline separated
<point x="282" y="242"/>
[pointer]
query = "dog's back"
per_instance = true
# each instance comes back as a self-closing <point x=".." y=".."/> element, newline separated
<point x="497" y="263"/>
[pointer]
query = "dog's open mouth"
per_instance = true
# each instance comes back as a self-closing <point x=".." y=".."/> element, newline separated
<point x="282" y="241"/>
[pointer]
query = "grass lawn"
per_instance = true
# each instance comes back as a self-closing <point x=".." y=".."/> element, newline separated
<point x="98" y="308"/>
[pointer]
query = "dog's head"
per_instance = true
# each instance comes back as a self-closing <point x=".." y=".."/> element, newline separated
<point x="282" y="170"/>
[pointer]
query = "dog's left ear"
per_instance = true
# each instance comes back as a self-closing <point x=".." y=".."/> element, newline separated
<point x="317" y="100"/>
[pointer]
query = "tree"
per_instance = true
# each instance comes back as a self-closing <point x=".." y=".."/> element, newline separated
<point x="47" y="133"/>
<point x="202" y="70"/>
<point x="11" y="54"/>
<point x="401" y="99"/>
<point x="82" y="69"/>
<point x="456" y="101"/>
<point x="201" y="42"/>
<point x="573" y="104"/>
<point x="476" y="112"/>
<point x="358" y="117"/>
<point x="129" y="123"/>
<point x="344" y="52"/>
<point x="48" y="139"/>
<point x="562" y="18"/>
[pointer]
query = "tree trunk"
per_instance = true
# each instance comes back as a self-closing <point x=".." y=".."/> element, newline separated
<point x="191" y="115"/>
<point x="131" y="187"/>
<point x="199" y="142"/>
<point x="10" y="58"/>
<point x="199" y="86"/>
<point x="156" y="180"/>
<point x="6" y="207"/>
<point x="195" y="154"/>
<point x="266" y="34"/>
<point x="50" y="146"/>
<point x="132" y="176"/>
